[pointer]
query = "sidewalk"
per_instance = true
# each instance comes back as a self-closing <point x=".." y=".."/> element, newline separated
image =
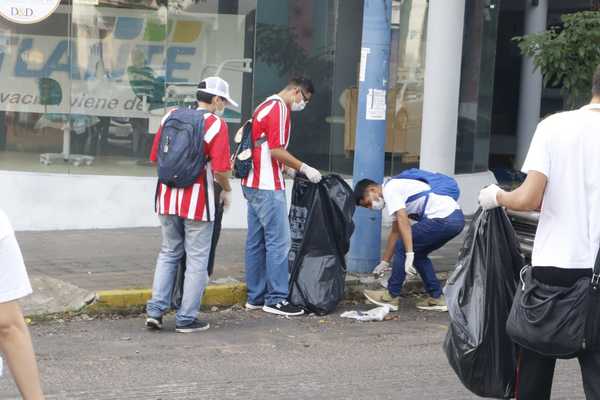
<point x="125" y="258"/>
<point x="114" y="259"/>
<point x="114" y="269"/>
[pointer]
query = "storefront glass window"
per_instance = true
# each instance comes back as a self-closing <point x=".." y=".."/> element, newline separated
<point x="29" y="53"/>
<point x="317" y="39"/>
<point x="91" y="83"/>
<point x="405" y="96"/>
<point x="84" y="91"/>
<point x="477" y="86"/>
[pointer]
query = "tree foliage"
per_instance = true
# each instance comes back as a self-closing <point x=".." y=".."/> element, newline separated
<point x="568" y="55"/>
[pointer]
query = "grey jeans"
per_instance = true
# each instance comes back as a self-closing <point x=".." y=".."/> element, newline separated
<point x="181" y="236"/>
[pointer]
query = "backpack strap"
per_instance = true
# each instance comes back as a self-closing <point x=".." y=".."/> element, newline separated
<point x="417" y="196"/>
<point x="259" y="141"/>
<point x="596" y="274"/>
<point x="263" y="139"/>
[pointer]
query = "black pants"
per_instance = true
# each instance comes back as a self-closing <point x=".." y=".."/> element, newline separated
<point x="534" y="380"/>
<point x="535" y="372"/>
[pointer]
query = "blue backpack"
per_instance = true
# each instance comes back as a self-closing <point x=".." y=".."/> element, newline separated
<point x="242" y="156"/>
<point x="181" y="156"/>
<point x="441" y="184"/>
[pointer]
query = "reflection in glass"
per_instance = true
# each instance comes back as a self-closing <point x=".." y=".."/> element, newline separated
<point x="405" y="97"/>
<point x="477" y="86"/>
<point x="294" y="37"/>
<point x="96" y="77"/>
<point x="29" y="55"/>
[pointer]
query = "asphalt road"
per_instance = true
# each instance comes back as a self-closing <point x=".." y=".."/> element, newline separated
<point x="251" y="355"/>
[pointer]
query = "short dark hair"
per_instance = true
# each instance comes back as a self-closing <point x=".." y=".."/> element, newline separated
<point x="203" y="96"/>
<point x="596" y="82"/>
<point x="304" y="83"/>
<point x="361" y="189"/>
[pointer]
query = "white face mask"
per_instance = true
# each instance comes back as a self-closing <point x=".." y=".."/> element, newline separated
<point x="299" y="106"/>
<point x="220" y="112"/>
<point x="378" y="204"/>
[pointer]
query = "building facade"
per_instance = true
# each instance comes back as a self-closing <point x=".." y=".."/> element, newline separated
<point x="83" y="90"/>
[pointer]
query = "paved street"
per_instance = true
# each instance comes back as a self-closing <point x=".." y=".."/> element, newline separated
<point x="250" y="355"/>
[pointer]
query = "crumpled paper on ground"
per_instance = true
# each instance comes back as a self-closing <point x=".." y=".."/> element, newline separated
<point x="374" y="314"/>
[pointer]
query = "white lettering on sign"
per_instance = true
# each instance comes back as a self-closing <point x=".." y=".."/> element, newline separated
<point x="27" y="11"/>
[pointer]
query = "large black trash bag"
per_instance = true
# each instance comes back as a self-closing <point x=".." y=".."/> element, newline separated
<point x="479" y="295"/>
<point x="177" y="291"/>
<point x="321" y="227"/>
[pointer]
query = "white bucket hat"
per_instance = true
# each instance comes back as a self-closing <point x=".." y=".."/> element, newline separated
<point x="218" y="87"/>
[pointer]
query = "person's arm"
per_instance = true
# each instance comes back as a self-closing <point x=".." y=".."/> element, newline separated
<point x="216" y="139"/>
<point x="155" y="144"/>
<point x="286" y="158"/>
<point x="405" y="230"/>
<point x="528" y="196"/>
<point x="276" y="122"/>
<point x="390" y="247"/>
<point x="222" y="179"/>
<point x="537" y="166"/>
<point x="15" y="344"/>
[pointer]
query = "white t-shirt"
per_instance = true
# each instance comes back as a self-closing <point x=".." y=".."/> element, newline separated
<point x="397" y="191"/>
<point x="14" y="282"/>
<point x="566" y="149"/>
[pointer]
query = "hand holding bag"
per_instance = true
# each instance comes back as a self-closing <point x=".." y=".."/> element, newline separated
<point x="556" y="321"/>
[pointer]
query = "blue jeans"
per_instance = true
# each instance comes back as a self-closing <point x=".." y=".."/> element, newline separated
<point x="267" y="246"/>
<point x="428" y="236"/>
<point x="181" y="236"/>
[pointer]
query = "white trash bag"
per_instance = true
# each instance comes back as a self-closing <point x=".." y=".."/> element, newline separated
<point x="374" y="314"/>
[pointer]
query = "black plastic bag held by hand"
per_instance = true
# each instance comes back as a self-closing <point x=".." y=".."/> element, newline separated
<point x="479" y="295"/>
<point x="321" y="226"/>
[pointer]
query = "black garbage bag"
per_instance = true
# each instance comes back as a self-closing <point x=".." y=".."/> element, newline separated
<point x="321" y="227"/>
<point x="479" y="295"/>
<point x="177" y="292"/>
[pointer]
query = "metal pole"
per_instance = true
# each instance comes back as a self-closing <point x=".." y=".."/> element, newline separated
<point x="369" y="150"/>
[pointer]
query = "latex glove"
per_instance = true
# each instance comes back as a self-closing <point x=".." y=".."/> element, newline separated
<point x="381" y="268"/>
<point x="290" y="172"/>
<point x="312" y="174"/>
<point x="225" y="198"/>
<point x="409" y="268"/>
<point x="488" y="197"/>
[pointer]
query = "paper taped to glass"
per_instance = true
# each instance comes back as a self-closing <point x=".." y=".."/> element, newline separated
<point x="376" y="104"/>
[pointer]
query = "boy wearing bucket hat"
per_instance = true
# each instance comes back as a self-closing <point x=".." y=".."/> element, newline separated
<point x="187" y="214"/>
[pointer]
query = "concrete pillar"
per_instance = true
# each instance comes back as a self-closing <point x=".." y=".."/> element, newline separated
<point x="530" y="96"/>
<point x="369" y="156"/>
<point x="443" y="61"/>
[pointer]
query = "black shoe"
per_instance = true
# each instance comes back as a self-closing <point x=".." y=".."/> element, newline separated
<point x="154" y="323"/>
<point x="195" y="326"/>
<point x="283" y="308"/>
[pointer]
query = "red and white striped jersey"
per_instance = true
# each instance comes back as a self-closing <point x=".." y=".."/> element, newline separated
<point x="271" y="123"/>
<point x="196" y="202"/>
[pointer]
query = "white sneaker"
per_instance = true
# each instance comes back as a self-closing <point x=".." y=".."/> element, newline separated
<point x="252" y="307"/>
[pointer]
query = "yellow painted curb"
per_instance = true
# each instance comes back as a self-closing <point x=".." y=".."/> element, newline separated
<point x="215" y="295"/>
